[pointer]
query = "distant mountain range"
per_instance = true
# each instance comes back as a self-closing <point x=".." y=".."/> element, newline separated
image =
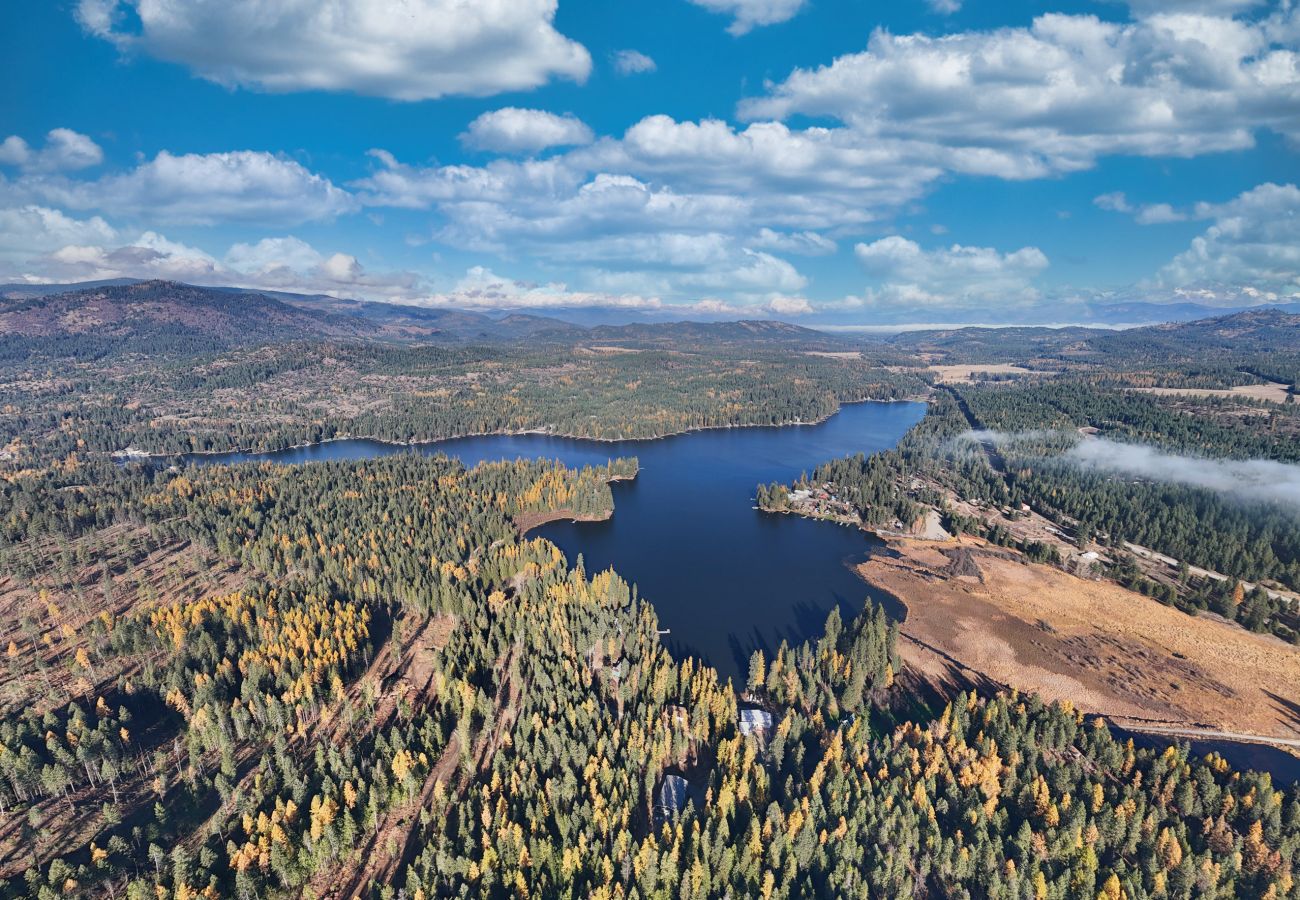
<point x="168" y="314"/>
<point x="144" y="315"/>
<point x="1259" y="330"/>
<point x="127" y="310"/>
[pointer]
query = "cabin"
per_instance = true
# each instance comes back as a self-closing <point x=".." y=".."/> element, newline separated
<point x="670" y="798"/>
<point x="755" y="722"/>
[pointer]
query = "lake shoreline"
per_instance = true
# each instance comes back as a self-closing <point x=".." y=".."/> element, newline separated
<point x="725" y="579"/>
<point x="1020" y="625"/>
<point x="131" y="454"/>
<point x="531" y="521"/>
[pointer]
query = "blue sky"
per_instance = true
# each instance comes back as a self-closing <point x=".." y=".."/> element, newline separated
<point x="827" y="162"/>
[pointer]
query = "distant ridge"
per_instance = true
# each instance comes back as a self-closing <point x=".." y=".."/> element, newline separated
<point x="1263" y="330"/>
<point x="164" y="313"/>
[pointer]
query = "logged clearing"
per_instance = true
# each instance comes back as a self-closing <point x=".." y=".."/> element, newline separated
<point x="978" y="613"/>
<point x="963" y="374"/>
<point x="834" y="354"/>
<point x="1273" y="391"/>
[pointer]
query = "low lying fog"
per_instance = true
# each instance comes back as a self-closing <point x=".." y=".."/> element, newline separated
<point x="1253" y="479"/>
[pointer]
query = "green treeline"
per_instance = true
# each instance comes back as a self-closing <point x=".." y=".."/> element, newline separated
<point x="54" y="408"/>
<point x="1026" y="462"/>
<point x="258" y="752"/>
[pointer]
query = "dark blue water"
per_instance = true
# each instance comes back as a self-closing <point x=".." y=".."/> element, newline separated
<point x="723" y="577"/>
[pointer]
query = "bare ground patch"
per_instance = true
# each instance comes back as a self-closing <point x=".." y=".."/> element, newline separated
<point x="1103" y="648"/>
<point x="527" y="521"/>
<point x="963" y="374"/>
<point x="1272" y="391"/>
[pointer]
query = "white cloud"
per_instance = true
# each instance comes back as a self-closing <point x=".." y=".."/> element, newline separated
<point x="515" y="130"/>
<point x="150" y="255"/>
<point x="944" y="7"/>
<point x="632" y="62"/>
<point x="64" y="150"/>
<point x="684" y="196"/>
<point x="790" y="306"/>
<point x="40" y="245"/>
<point x="749" y="14"/>
<point x="1253" y="244"/>
<point x="412" y="50"/>
<point x="1143" y="214"/>
<point x="481" y="288"/>
<point x="955" y="276"/>
<point x="1051" y="98"/>
<point x="291" y="264"/>
<point x="1159" y="214"/>
<point x="806" y="243"/>
<point x="756" y="271"/>
<point x="240" y="186"/>
<point x="32" y="229"/>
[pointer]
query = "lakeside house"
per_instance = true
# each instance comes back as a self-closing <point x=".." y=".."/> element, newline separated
<point x="755" y="722"/>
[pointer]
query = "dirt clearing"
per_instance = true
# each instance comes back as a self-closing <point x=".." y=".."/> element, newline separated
<point x="965" y="374"/>
<point x="1273" y="392"/>
<point x="1105" y="649"/>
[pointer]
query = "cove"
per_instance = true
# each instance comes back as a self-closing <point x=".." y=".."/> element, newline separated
<point x="724" y="578"/>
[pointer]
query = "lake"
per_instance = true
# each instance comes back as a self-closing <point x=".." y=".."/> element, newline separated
<point x="724" y="578"/>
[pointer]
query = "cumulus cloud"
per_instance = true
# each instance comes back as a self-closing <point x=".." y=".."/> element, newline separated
<point x="749" y="14"/>
<point x="790" y="306"/>
<point x="38" y="244"/>
<point x="1254" y="479"/>
<point x="1143" y="214"/>
<point x="29" y="230"/>
<point x="64" y="150"/>
<point x="632" y="62"/>
<point x="291" y="264"/>
<point x="766" y="175"/>
<point x="193" y="188"/>
<point x="1253" y="243"/>
<point x="1051" y="98"/>
<point x="953" y="276"/>
<point x="481" y="288"/>
<point x="414" y="50"/>
<point x="685" y="196"/>
<point x="149" y="255"/>
<point x="515" y="130"/>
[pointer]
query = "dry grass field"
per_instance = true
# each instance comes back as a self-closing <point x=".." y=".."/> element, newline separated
<point x="1273" y="392"/>
<point x="984" y="613"/>
<point x="963" y="374"/>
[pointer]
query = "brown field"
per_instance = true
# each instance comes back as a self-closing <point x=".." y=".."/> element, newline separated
<point x="1103" y="648"/>
<point x="834" y="354"/>
<point x="1272" y="392"/>
<point x="611" y="348"/>
<point x="962" y="374"/>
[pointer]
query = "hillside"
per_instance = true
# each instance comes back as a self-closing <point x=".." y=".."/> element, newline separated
<point x="978" y="345"/>
<point x="162" y="314"/>
<point x="1253" y="331"/>
<point x="402" y="321"/>
<point x="750" y="332"/>
<point x="193" y="317"/>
